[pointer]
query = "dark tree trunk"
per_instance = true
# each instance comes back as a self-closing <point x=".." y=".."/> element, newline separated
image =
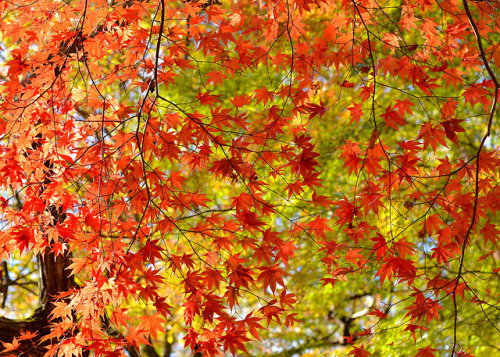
<point x="53" y="277"/>
<point x="52" y="280"/>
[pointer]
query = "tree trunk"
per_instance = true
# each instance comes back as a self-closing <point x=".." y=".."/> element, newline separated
<point x="52" y="280"/>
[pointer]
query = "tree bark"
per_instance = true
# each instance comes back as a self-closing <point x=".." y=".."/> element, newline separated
<point x="53" y="279"/>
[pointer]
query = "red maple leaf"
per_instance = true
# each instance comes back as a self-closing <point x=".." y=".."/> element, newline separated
<point x="426" y="352"/>
<point x="359" y="352"/>
<point x="393" y="119"/>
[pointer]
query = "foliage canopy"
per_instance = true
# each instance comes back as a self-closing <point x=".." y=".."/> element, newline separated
<point x="277" y="178"/>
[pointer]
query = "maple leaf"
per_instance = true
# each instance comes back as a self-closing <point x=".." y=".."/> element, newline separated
<point x="319" y="226"/>
<point x="378" y="313"/>
<point x="287" y="299"/>
<point x="413" y="329"/>
<point x="69" y="348"/>
<point x="445" y="252"/>
<point x="234" y="341"/>
<point x="423" y="307"/>
<point x="350" y="339"/>
<point x="19" y="64"/>
<point x="431" y="224"/>
<point x="451" y="127"/>
<point x="490" y="233"/>
<point x="404" y="106"/>
<point x="92" y="221"/>
<point x="207" y="98"/>
<point x="61" y="309"/>
<point x="359" y="352"/>
<point x="353" y="256"/>
<point x="432" y="135"/>
<point x="290" y="319"/>
<point x="350" y="152"/>
<point x="152" y="324"/>
<point x="356" y="112"/>
<point x="285" y="251"/>
<point x="404" y="247"/>
<point x="152" y="276"/>
<point x="271" y="276"/>
<point x="136" y="336"/>
<point x="319" y="200"/>
<point x="77" y="266"/>
<point x="211" y="278"/>
<point x="346" y="84"/>
<point x="315" y="109"/>
<point x="365" y="332"/>
<point x="24" y="238"/>
<point x="263" y="95"/>
<point x="253" y="324"/>
<point x="271" y="312"/>
<point x="240" y="101"/>
<point x="27" y="335"/>
<point x="477" y="94"/>
<point x="215" y="77"/>
<point x="426" y="352"/>
<point x="11" y="346"/>
<point x="393" y="119"/>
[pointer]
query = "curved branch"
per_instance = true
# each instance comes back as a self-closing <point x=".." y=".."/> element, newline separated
<point x="482" y="54"/>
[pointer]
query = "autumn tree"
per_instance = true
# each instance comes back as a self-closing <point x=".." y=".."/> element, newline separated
<point x="276" y="178"/>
